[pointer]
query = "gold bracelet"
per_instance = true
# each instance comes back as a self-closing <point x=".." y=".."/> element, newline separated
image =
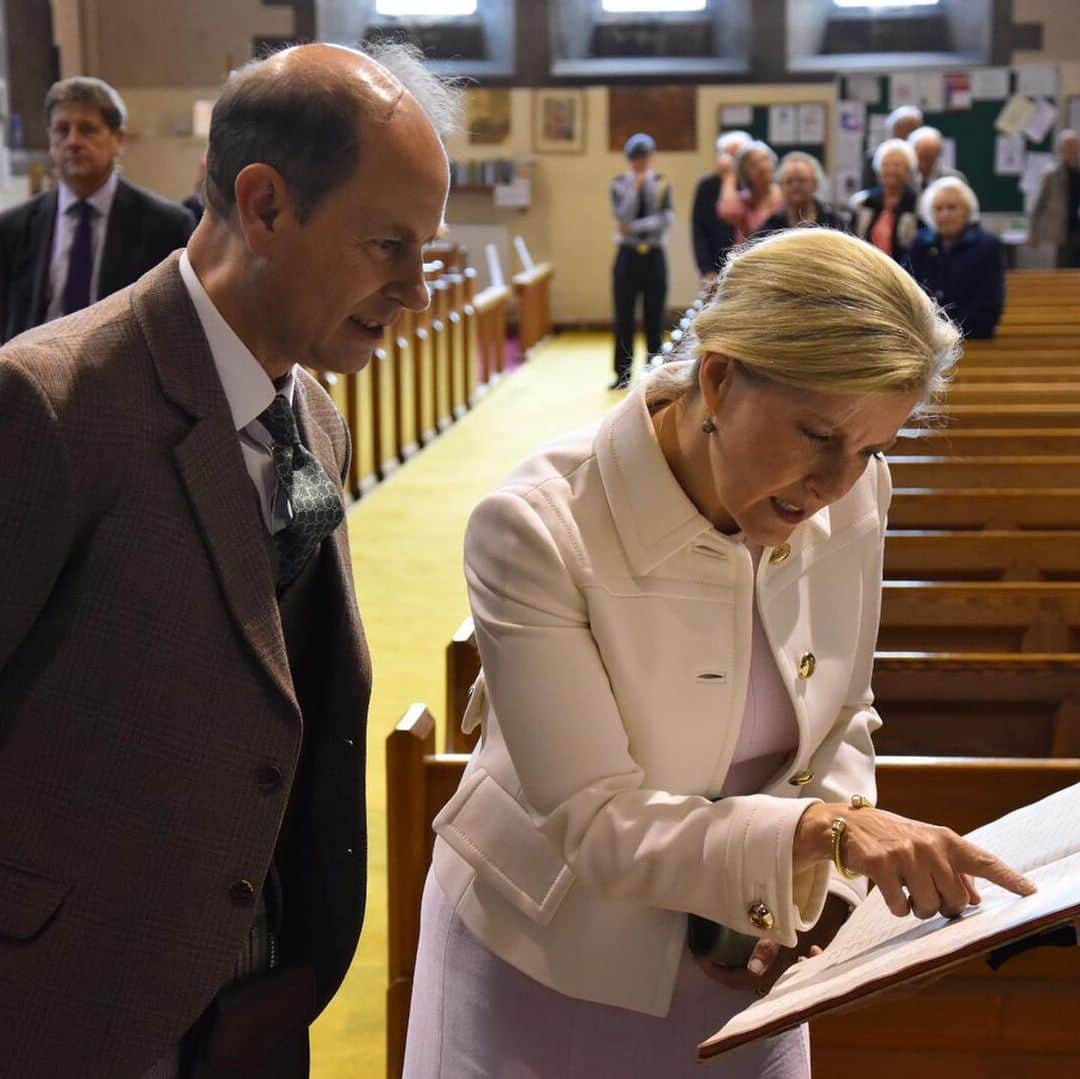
<point x="837" y="828"/>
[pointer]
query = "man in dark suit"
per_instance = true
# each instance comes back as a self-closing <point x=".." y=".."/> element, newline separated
<point x="184" y="680"/>
<point x="93" y="235"/>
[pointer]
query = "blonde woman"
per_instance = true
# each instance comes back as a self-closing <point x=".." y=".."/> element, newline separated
<point x="676" y="610"/>
<point x="886" y="214"/>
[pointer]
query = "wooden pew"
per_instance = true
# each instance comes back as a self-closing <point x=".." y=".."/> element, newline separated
<point x="1016" y="355"/>
<point x="492" y="308"/>
<point x="943" y="471"/>
<point x="384" y="384"/>
<point x="985" y="394"/>
<point x="969" y="416"/>
<point x="990" y="442"/>
<point x="981" y="616"/>
<point x="958" y="793"/>
<point x="985" y="508"/>
<point x="972" y="704"/>
<point x="533" y="291"/>
<point x="1061" y="372"/>
<point x="937" y="555"/>
<point x="441" y="347"/>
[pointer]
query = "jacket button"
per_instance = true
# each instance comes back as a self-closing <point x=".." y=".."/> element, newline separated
<point x="807" y="663"/>
<point x="242" y="893"/>
<point x="800" y="779"/>
<point x="760" y="916"/>
<point x="268" y="778"/>
<point x="780" y="554"/>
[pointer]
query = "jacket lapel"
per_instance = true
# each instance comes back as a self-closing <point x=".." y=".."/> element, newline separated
<point x="42" y="229"/>
<point x="316" y="440"/>
<point x="212" y="468"/>
<point x="121" y="235"/>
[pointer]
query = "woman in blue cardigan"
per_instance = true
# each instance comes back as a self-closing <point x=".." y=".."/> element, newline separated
<point x="957" y="261"/>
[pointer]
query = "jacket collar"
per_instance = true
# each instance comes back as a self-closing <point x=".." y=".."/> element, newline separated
<point x="655" y="519"/>
<point x="653" y="515"/>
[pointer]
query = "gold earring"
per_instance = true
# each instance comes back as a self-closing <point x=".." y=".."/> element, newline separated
<point x="709" y="426"/>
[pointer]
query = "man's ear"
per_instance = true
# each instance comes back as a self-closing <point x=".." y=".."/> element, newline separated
<point x="261" y="200"/>
<point x="715" y="376"/>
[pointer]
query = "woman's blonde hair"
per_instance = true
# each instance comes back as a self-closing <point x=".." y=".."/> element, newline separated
<point x="816" y="309"/>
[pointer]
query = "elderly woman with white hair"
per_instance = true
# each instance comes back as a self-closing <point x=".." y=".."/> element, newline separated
<point x="676" y="609"/>
<point x="886" y="214"/>
<point x="956" y="260"/>
<point x="748" y="194"/>
<point x="800" y="178"/>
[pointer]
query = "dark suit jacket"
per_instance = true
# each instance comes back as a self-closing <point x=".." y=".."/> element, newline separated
<point x="143" y="228"/>
<point x="711" y="236"/>
<point x="968" y="279"/>
<point x="145" y="690"/>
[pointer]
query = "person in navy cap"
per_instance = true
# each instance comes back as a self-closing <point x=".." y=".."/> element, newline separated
<point x="641" y="203"/>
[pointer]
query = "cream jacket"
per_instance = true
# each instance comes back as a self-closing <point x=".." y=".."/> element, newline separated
<point x="615" y="627"/>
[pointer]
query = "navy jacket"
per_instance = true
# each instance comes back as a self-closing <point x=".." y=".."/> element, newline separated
<point x="968" y="280"/>
<point x="713" y="238"/>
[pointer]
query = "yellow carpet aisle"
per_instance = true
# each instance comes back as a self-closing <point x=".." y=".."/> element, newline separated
<point x="406" y="542"/>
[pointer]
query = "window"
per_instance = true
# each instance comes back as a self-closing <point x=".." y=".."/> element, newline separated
<point x="885" y="3"/>
<point x="651" y="7"/>
<point x="424" y="9"/>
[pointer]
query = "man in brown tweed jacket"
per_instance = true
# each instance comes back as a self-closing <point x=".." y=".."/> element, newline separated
<point x="183" y="674"/>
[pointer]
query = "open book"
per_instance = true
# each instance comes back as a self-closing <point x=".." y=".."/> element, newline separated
<point x="876" y="951"/>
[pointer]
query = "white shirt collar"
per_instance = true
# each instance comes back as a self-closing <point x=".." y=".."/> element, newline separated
<point x="101" y="200"/>
<point x="248" y="388"/>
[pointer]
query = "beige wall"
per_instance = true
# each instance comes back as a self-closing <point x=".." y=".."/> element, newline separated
<point x="570" y="221"/>
<point x="1061" y="29"/>
<point x="140" y="43"/>
<point x="162" y="65"/>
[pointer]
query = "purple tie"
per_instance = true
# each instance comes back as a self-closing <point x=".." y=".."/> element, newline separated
<point x="80" y="260"/>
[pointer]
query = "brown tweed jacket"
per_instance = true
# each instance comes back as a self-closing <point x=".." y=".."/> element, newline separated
<point x="145" y="692"/>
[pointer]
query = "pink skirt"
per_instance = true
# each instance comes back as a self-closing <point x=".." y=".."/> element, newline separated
<point x="474" y="1016"/>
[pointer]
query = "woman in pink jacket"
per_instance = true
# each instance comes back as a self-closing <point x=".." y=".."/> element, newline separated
<point x="748" y="194"/>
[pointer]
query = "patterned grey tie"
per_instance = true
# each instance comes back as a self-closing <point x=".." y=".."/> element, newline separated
<point x="312" y="495"/>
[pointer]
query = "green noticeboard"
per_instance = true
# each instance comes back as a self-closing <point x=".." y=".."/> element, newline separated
<point x="975" y="136"/>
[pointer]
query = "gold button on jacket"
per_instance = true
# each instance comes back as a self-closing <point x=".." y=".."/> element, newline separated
<point x="800" y="779"/>
<point x="760" y="916"/>
<point x="807" y="663"/>
<point x="780" y="554"/>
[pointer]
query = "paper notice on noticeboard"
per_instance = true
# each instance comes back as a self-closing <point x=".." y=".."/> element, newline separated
<point x="1010" y="152"/>
<point x="782" y="125"/>
<point x="851" y="116"/>
<point x="1041" y="120"/>
<point x="957" y="91"/>
<point x="990" y="83"/>
<point x="735" y="116"/>
<point x="864" y="88"/>
<point x="810" y="124"/>
<point x="1014" y="114"/>
<point x="1036" y="79"/>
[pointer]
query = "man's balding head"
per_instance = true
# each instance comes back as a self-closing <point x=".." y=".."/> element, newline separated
<point x="310" y="112"/>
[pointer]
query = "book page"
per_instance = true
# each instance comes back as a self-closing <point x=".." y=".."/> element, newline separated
<point x="875" y="949"/>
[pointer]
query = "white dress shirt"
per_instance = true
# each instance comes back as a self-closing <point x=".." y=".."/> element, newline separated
<point x="64" y="236"/>
<point x="249" y="391"/>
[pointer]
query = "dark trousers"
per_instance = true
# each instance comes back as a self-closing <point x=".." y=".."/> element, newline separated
<point x="638" y="274"/>
<point x="1068" y="254"/>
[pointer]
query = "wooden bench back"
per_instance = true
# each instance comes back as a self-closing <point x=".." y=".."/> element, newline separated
<point x="958" y="793"/>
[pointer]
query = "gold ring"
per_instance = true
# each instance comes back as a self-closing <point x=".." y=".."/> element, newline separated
<point x="858" y="801"/>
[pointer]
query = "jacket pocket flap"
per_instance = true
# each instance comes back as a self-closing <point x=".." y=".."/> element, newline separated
<point x="27" y="901"/>
<point x="477" y="706"/>
<point x="496" y="836"/>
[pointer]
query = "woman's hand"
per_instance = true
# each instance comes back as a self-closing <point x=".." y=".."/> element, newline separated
<point x="934" y="864"/>
<point x="769" y="960"/>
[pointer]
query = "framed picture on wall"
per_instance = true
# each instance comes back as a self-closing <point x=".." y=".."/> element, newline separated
<point x="488" y="113"/>
<point x="559" y="121"/>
